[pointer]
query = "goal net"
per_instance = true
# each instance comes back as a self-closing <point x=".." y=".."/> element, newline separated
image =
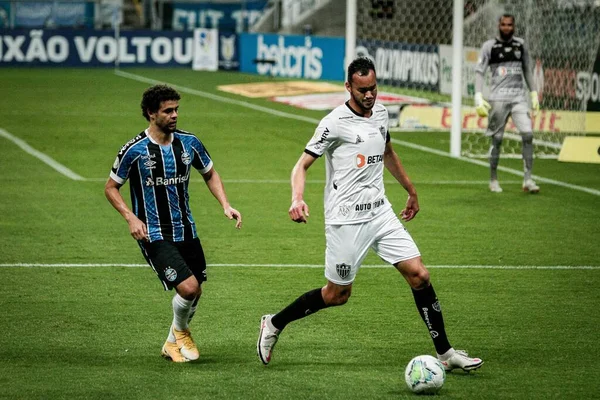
<point x="563" y="37"/>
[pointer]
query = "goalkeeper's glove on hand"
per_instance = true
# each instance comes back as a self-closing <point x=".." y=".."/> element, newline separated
<point x="535" y="103"/>
<point x="481" y="106"/>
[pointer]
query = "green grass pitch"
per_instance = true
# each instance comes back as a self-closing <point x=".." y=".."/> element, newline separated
<point x="95" y="332"/>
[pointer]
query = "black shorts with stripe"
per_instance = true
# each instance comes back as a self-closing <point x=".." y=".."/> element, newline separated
<point x="174" y="262"/>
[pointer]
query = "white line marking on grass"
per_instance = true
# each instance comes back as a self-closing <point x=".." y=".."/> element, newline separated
<point x="501" y="168"/>
<point x="216" y="97"/>
<point x="271" y="111"/>
<point x="322" y="181"/>
<point x="44" y="157"/>
<point x="376" y="266"/>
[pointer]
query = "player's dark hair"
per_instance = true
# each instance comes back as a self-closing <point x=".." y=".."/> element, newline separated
<point x="507" y="16"/>
<point x="155" y="95"/>
<point x="360" y="65"/>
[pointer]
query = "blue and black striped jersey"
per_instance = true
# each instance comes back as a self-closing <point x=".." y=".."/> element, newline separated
<point x="158" y="177"/>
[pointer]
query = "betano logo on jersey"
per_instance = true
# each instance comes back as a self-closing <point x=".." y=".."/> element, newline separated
<point x="503" y="71"/>
<point x="160" y="181"/>
<point x="362" y="160"/>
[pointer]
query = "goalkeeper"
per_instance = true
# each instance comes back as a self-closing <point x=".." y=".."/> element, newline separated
<point x="508" y="59"/>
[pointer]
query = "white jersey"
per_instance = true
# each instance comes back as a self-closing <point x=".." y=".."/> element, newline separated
<point x="353" y="146"/>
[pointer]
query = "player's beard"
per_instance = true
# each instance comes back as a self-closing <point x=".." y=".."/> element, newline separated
<point x="365" y="108"/>
<point x="169" y="128"/>
<point x="506" y="37"/>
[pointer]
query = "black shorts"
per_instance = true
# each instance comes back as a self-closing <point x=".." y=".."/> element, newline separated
<point x="174" y="262"/>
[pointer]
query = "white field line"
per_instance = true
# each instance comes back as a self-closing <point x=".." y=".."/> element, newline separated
<point x="501" y="168"/>
<point x="501" y="267"/>
<point x="314" y="121"/>
<point x="322" y="181"/>
<point x="41" y="156"/>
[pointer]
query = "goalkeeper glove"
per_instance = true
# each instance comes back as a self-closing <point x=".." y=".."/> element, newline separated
<point x="481" y="106"/>
<point x="535" y="103"/>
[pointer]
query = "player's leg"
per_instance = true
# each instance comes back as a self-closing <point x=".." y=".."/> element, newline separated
<point x="522" y="120"/>
<point x="344" y="254"/>
<point x="185" y="302"/>
<point x="496" y="124"/>
<point x="164" y="257"/>
<point x="193" y="254"/>
<point x="394" y="244"/>
<point x="429" y="307"/>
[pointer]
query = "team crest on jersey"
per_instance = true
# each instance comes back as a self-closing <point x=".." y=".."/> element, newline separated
<point x="518" y="54"/>
<point x="436" y="306"/>
<point x="116" y="163"/>
<point x="343" y="270"/>
<point x="382" y="130"/>
<point x="358" y="139"/>
<point x="185" y="158"/>
<point x="170" y="274"/>
<point x="149" y="181"/>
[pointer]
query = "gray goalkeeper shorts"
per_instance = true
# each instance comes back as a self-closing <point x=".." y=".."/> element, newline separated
<point x="501" y="110"/>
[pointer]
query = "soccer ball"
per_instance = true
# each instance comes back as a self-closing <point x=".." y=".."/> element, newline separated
<point x="425" y="374"/>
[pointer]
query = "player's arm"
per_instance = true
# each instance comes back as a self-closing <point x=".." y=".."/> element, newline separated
<point x="299" y="209"/>
<point x="528" y="75"/>
<point x="215" y="185"/>
<point x="481" y="106"/>
<point x="394" y="165"/>
<point x="136" y="227"/>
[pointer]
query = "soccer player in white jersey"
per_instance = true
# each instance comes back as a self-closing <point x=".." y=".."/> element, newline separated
<point x="509" y="62"/>
<point x="355" y="140"/>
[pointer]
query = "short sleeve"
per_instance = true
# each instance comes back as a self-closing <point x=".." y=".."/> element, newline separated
<point x="122" y="165"/>
<point x="201" y="159"/>
<point x="325" y="135"/>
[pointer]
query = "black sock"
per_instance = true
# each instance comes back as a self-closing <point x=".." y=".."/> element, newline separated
<point x="431" y="312"/>
<point x="310" y="302"/>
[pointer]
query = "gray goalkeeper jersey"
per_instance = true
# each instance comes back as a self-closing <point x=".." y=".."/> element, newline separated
<point x="509" y="63"/>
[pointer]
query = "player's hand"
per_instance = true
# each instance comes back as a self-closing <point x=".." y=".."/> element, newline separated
<point x="138" y="229"/>
<point x="411" y="209"/>
<point x="535" y="103"/>
<point x="232" y="213"/>
<point x="481" y="106"/>
<point x="298" y="211"/>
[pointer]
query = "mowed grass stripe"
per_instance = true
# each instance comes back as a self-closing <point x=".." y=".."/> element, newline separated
<point x="500" y="267"/>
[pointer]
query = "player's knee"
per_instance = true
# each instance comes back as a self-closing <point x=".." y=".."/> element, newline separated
<point x="527" y="137"/>
<point x="420" y="280"/>
<point x="497" y="140"/>
<point x="336" y="297"/>
<point x="189" y="289"/>
<point x="417" y="278"/>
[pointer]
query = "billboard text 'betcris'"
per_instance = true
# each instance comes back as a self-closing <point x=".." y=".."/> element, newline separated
<point x="308" y="57"/>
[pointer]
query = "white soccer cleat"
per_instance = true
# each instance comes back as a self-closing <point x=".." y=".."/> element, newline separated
<point x="495" y="186"/>
<point x="459" y="359"/>
<point x="267" y="338"/>
<point x="530" y="186"/>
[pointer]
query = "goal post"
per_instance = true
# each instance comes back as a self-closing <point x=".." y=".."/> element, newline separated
<point x="457" y="56"/>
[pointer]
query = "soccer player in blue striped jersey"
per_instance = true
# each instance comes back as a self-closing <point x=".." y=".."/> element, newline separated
<point x="157" y="163"/>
